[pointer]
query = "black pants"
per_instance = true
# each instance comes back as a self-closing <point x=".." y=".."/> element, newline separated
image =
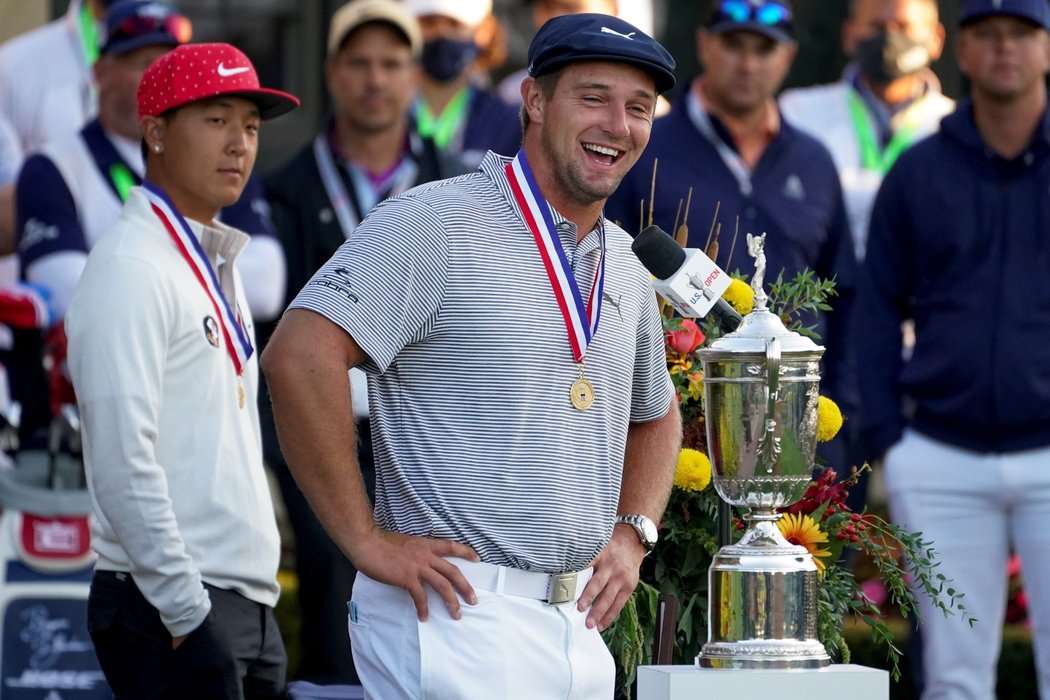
<point x="235" y="654"/>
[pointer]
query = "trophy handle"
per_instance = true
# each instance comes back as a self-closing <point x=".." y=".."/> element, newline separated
<point x="769" y="443"/>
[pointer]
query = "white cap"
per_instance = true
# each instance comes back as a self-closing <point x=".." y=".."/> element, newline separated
<point x="353" y="14"/>
<point x="468" y="12"/>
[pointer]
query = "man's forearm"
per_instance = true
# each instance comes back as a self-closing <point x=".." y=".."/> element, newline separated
<point x="649" y="464"/>
<point x="306" y="367"/>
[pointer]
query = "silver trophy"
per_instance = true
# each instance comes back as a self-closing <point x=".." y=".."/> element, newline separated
<point x="761" y="385"/>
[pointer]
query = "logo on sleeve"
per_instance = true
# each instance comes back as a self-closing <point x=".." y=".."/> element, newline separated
<point x="211" y="331"/>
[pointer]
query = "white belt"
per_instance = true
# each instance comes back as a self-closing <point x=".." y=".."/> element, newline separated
<point x="552" y="589"/>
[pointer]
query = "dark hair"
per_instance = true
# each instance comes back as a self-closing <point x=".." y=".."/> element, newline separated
<point x="546" y="83"/>
<point x="165" y="115"/>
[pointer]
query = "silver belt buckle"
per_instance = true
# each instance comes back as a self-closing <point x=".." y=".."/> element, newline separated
<point x="561" y="588"/>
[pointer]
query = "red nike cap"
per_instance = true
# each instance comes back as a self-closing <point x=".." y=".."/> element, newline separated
<point x="193" y="72"/>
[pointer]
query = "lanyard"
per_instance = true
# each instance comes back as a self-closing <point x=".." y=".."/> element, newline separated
<point x="333" y="186"/>
<point x="114" y="168"/>
<point x="872" y="157"/>
<point x="194" y="255"/>
<point x="367" y="197"/>
<point x="443" y="128"/>
<point x="581" y="322"/>
<point x="736" y="165"/>
<point x="88" y="34"/>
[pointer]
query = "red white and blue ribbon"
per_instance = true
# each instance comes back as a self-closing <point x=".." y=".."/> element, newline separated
<point x="581" y="321"/>
<point x="238" y="344"/>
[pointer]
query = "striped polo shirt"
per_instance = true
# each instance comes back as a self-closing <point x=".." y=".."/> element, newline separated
<point x="470" y="367"/>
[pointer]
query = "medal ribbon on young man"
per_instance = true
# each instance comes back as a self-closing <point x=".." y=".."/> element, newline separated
<point x="581" y="322"/>
<point x="190" y="248"/>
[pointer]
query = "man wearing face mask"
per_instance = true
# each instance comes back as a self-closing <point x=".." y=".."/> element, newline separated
<point x="888" y="98"/>
<point x="453" y="108"/>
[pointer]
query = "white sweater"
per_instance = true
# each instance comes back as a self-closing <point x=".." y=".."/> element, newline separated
<point x="823" y="112"/>
<point x="174" y="464"/>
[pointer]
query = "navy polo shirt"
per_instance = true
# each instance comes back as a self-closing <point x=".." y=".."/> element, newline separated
<point x="793" y="195"/>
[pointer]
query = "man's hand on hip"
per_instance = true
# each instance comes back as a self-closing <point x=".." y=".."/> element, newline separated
<point x="413" y="563"/>
<point x="615" y="578"/>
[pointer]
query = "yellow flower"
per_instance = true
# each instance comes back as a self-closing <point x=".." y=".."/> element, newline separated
<point x="804" y="530"/>
<point x="696" y="385"/>
<point x="829" y="419"/>
<point x="694" y="470"/>
<point x="679" y="364"/>
<point x="740" y="296"/>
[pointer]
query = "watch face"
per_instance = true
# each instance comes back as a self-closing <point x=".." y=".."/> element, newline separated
<point x="649" y="529"/>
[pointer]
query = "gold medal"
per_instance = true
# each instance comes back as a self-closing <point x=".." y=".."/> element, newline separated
<point x="240" y="394"/>
<point x="581" y="393"/>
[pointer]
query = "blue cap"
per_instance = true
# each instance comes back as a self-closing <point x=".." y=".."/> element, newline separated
<point x="1035" y="11"/>
<point x="771" y="18"/>
<point x="593" y="37"/>
<point x="132" y="24"/>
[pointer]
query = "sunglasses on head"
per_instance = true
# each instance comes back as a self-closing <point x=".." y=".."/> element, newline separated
<point x="769" y="14"/>
<point x="176" y="26"/>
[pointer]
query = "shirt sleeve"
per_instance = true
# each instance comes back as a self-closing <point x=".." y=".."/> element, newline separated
<point x="10" y="152"/>
<point x="117" y="369"/>
<point x="51" y="241"/>
<point x="882" y="305"/>
<point x="386" y="284"/>
<point x="652" y="391"/>
<point x="838" y="260"/>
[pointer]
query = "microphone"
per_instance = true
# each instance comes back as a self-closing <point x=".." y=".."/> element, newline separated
<point x="689" y="280"/>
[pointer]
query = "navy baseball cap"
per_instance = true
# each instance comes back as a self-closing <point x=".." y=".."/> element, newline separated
<point x="1035" y="11"/>
<point x="593" y="37"/>
<point x="132" y="24"/>
<point x="771" y="18"/>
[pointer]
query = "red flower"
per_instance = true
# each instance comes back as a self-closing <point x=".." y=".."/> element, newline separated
<point x="686" y="338"/>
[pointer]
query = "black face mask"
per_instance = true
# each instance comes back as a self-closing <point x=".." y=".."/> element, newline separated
<point x="890" y="55"/>
<point x="444" y="59"/>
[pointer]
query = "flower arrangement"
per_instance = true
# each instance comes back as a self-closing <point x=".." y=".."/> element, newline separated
<point x="821" y="521"/>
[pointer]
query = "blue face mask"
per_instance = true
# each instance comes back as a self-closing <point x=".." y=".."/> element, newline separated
<point x="444" y="59"/>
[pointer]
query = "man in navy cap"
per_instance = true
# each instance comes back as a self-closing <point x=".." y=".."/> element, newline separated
<point x="725" y="150"/>
<point x="958" y="240"/>
<point x="518" y="473"/>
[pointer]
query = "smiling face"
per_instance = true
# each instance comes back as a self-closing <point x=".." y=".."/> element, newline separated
<point x="587" y="132"/>
<point x="207" y="150"/>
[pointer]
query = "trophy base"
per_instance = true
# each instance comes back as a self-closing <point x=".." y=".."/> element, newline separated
<point x="781" y="654"/>
<point x="762" y="605"/>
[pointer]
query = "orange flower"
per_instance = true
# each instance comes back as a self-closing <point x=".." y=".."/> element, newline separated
<point x="804" y="530"/>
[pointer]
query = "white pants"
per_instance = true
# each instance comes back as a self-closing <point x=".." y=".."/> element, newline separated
<point x="505" y="647"/>
<point x="974" y="508"/>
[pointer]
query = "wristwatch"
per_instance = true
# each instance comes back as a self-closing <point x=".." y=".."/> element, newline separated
<point x="645" y="528"/>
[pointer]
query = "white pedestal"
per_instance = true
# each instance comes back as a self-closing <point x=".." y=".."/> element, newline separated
<point x="690" y="682"/>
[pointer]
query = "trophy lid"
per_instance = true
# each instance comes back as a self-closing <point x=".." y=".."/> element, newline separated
<point x="761" y="325"/>
<point x="750" y="338"/>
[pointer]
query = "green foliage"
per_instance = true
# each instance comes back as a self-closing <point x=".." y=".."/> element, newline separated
<point x="801" y="298"/>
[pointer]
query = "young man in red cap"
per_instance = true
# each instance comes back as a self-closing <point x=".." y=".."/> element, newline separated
<point x="161" y="356"/>
<point x="517" y="481"/>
